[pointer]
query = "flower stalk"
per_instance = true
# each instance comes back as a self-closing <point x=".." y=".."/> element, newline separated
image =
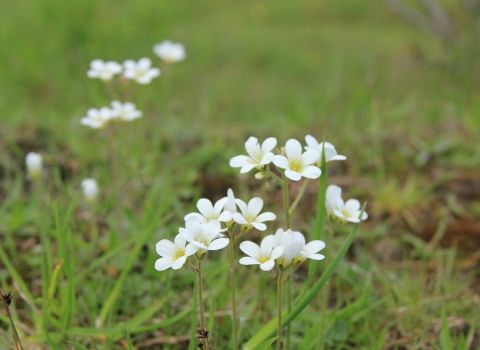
<point x="279" y="308"/>
<point x="200" y="299"/>
<point x="232" y="289"/>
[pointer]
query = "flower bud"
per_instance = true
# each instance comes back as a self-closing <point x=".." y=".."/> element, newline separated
<point x="90" y="190"/>
<point x="34" y="165"/>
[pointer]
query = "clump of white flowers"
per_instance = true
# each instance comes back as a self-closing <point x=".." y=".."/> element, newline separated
<point x="340" y="211"/>
<point x="141" y="71"/>
<point x="34" y="165"/>
<point x="170" y="52"/>
<point x="104" y="70"/>
<point x="99" y="118"/>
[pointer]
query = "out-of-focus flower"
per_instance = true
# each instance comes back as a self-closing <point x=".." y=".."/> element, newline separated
<point x="330" y="151"/>
<point x="125" y="111"/>
<point x="34" y="165"/>
<point x="209" y="212"/>
<point x="264" y="255"/>
<point x="90" y="190"/>
<point x="230" y="205"/>
<point x="249" y="217"/>
<point x="140" y="71"/>
<point x="203" y="237"/>
<point x="338" y="210"/>
<point x="257" y="157"/>
<point x="97" y="118"/>
<point x="297" y="164"/>
<point x="295" y="249"/>
<point x="170" y="52"/>
<point x="173" y="255"/>
<point x="104" y="70"/>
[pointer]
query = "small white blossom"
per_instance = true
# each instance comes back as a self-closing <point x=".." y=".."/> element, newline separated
<point x="330" y="151"/>
<point x="257" y="157"/>
<point x="104" y="70"/>
<point x="90" y="190"/>
<point x="173" y="255"/>
<point x="295" y="249"/>
<point x="264" y="255"/>
<point x="297" y="164"/>
<point x="140" y="71"/>
<point x="249" y="217"/>
<point x="209" y="212"/>
<point x="205" y="236"/>
<point x="125" y="111"/>
<point x="97" y="118"/>
<point x="340" y="211"/>
<point x="170" y="52"/>
<point x="33" y="162"/>
<point x="230" y="205"/>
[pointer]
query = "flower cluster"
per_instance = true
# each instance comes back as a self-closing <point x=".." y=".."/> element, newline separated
<point x="340" y="211"/>
<point x="123" y="112"/>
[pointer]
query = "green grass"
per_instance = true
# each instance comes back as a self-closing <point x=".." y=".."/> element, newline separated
<point x="401" y="105"/>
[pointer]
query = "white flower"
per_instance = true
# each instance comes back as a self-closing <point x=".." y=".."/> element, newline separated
<point x="340" y="211"/>
<point x="173" y="255"/>
<point x="258" y="156"/>
<point x="230" y="205"/>
<point x="264" y="255"/>
<point x="297" y="164"/>
<point x="205" y="236"/>
<point x="295" y="249"/>
<point x="330" y="151"/>
<point x="140" y="71"/>
<point x="125" y="111"/>
<point x="170" y="52"/>
<point x="34" y="165"/>
<point x="104" y="70"/>
<point x="90" y="190"/>
<point x="97" y="118"/>
<point x="249" y="217"/>
<point x="209" y="212"/>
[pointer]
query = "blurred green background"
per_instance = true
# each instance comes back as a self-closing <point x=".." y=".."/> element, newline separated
<point x="399" y="99"/>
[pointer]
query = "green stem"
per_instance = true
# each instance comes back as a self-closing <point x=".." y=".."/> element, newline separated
<point x="279" y="180"/>
<point x="285" y="202"/>
<point x="299" y="197"/>
<point x="279" y="308"/>
<point x="200" y="298"/>
<point x="324" y="294"/>
<point x="232" y="289"/>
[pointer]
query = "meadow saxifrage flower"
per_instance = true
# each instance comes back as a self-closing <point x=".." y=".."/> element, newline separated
<point x="170" y="52"/>
<point x="296" y="163"/>
<point x="257" y="157"/>
<point x="264" y="255"/>
<point x="209" y="212"/>
<point x="341" y="211"/>
<point x="90" y="190"/>
<point x="173" y="255"/>
<point x="296" y="251"/>
<point x="250" y="214"/>
<point x="33" y="161"/>
<point x="124" y="111"/>
<point x="330" y="151"/>
<point x="97" y="118"/>
<point x="203" y="237"/>
<point x="141" y="71"/>
<point x="104" y="70"/>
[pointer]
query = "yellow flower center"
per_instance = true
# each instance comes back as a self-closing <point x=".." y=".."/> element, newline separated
<point x="178" y="254"/>
<point x="264" y="259"/>
<point x="296" y="164"/>
<point x="346" y="213"/>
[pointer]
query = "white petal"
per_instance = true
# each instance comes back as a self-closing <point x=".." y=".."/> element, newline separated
<point x="226" y="216"/>
<point x="266" y="245"/>
<point x="239" y="161"/>
<point x="248" y="261"/>
<point x="268" y="265"/>
<point x="252" y="147"/>
<point x="337" y="157"/>
<point x="239" y="219"/>
<point x="293" y="175"/>
<point x="190" y="249"/>
<point x="166" y="248"/>
<point x="246" y="168"/>
<point x="255" y="206"/>
<point x="250" y="249"/>
<point x="292" y="250"/>
<point x="242" y="205"/>
<point x="293" y="149"/>
<point x="277" y="252"/>
<point x="258" y="226"/>
<point x="311" y="172"/>
<point x="311" y="142"/>
<point x="310" y="157"/>
<point x="163" y="264"/>
<point x="269" y="144"/>
<point x="281" y="162"/>
<point x="205" y="207"/>
<point x="364" y="216"/>
<point x="219" y="243"/>
<point x="316" y="257"/>
<point x="278" y="237"/>
<point x="267" y="158"/>
<point x="352" y="205"/>
<point x="339" y="214"/>
<point x="154" y="72"/>
<point x="219" y="205"/>
<point x="313" y="247"/>
<point x="179" y="262"/>
<point x="180" y="241"/>
<point x="144" y="63"/>
<point x="200" y="217"/>
<point x="268" y="216"/>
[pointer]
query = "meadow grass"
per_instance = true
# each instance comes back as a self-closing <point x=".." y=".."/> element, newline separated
<point x="403" y="108"/>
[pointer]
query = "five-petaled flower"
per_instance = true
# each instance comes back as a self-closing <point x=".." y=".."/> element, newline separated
<point x="170" y="52"/>
<point x="264" y="255"/>
<point x="173" y="255"/>
<point x="97" y="118"/>
<point x="140" y="71"/>
<point x="249" y="217"/>
<point x="125" y="111"/>
<point x="104" y="70"/>
<point x="257" y="157"/>
<point x="341" y="211"/>
<point x="330" y="151"/>
<point x="209" y="212"/>
<point x="203" y="237"/>
<point x="297" y="164"/>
